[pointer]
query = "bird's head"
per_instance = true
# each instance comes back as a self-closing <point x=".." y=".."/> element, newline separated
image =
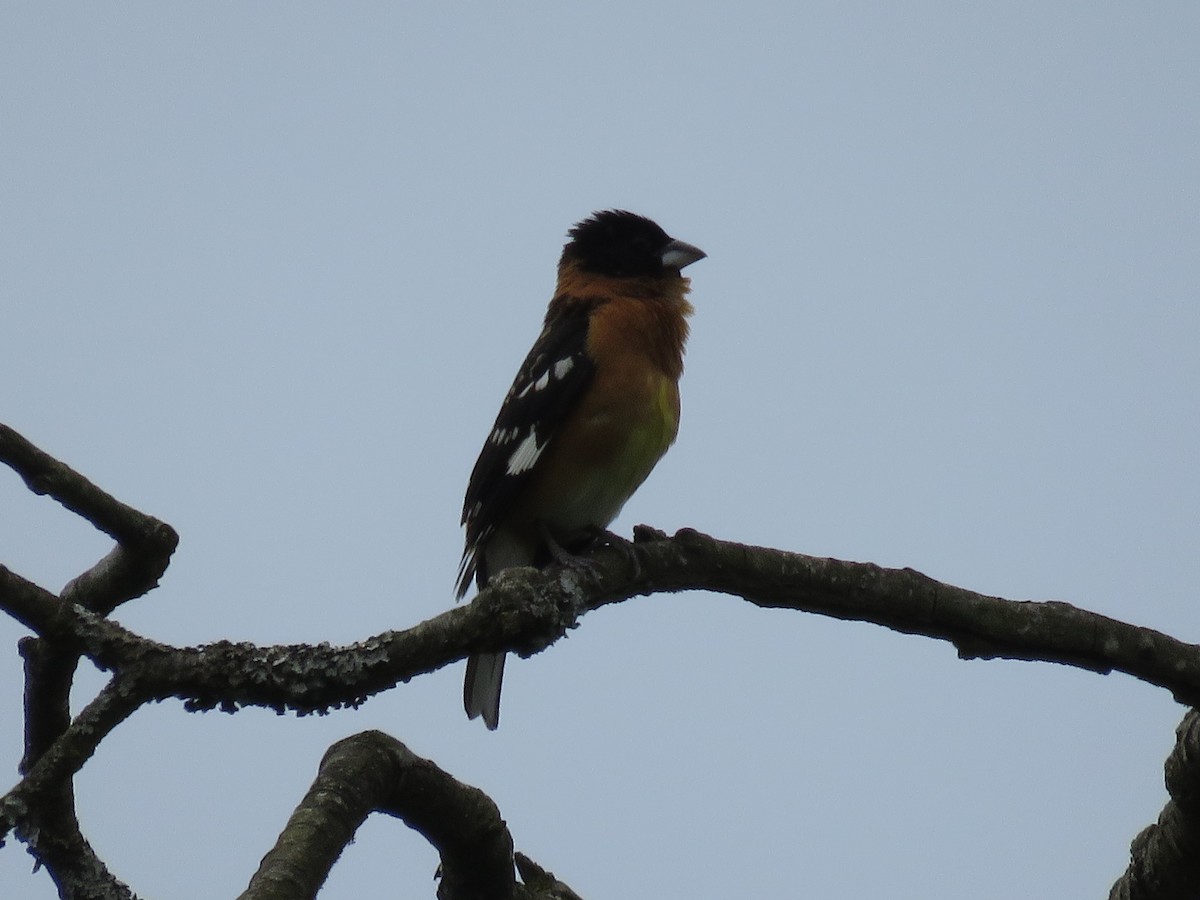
<point x="619" y="243"/>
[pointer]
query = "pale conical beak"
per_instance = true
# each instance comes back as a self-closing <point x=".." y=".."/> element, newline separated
<point x="678" y="254"/>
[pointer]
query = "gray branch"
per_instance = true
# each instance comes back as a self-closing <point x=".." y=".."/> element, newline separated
<point x="372" y="772"/>
<point x="1165" y="858"/>
<point x="523" y="611"/>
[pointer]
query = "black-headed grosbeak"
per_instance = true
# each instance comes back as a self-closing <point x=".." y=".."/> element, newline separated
<point x="593" y="408"/>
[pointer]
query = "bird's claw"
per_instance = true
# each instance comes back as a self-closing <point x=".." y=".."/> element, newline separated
<point x="623" y="545"/>
<point x="586" y="565"/>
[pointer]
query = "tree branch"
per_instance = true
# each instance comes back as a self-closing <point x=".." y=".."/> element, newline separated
<point x="980" y="626"/>
<point x="523" y="611"/>
<point x="45" y="815"/>
<point x="526" y="611"/>
<point x="1165" y="858"/>
<point x="132" y="568"/>
<point x="43" y="474"/>
<point x="372" y="772"/>
<point x="112" y="706"/>
<point x="41" y="808"/>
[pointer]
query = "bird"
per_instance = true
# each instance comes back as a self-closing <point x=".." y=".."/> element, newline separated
<point x="591" y="411"/>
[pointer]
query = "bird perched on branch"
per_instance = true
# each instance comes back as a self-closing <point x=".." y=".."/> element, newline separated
<point x="593" y="408"/>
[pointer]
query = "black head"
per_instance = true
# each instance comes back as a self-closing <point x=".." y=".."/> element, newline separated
<point x="616" y="242"/>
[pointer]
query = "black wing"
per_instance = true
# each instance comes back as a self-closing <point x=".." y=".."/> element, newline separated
<point x="554" y="375"/>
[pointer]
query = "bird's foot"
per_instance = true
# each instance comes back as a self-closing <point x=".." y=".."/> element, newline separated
<point x="596" y="537"/>
<point x="564" y="557"/>
<point x="623" y="545"/>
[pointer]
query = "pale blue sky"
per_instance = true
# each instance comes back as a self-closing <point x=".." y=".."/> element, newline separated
<point x="267" y="271"/>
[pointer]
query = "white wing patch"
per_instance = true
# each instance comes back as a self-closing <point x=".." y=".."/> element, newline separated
<point x="503" y="435"/>
<point x="526" y="453"/>
<point x="558" y="371"/>
<point x="525" y="456"/>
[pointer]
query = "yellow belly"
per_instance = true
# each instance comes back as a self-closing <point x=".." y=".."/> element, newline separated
<point x="608" y="453"/>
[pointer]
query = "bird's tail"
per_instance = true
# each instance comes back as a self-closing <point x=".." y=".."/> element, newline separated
<point x="481" y="688"/>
